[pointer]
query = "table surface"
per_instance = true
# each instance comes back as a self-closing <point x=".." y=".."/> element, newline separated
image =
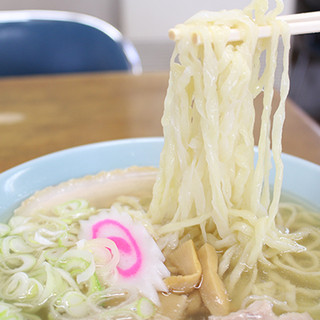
<point x="43" y="114"/>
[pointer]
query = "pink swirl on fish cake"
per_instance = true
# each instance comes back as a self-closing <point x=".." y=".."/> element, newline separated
<point x="128" y="248"/>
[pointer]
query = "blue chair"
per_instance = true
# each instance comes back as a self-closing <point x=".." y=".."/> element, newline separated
<point x="47" y="42"/>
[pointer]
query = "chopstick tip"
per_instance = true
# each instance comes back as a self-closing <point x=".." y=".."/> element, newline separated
<point x="173" y="34"/>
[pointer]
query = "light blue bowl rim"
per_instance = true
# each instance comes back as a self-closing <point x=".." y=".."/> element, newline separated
<point x="85" y="147"/>
<point x="301" y="177"/>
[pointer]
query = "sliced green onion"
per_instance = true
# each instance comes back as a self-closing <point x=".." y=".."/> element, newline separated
<point x="52" y="255"/>
<point x="15" y="287"/>
<point x="74" y="210"/>
<point x="67" y="279"/>
<point x="67" y="240"/>
<point x="9" y="312"/>
<point x="71" y="206"/>
<point x="17" y="263"/>
<point x="74" y="304"/>
<point x="53" y="283"/>
<point x="18" y="245"/>
<point x="145" y="308"/>
<point x="34" y="290"/>
<point x="94" y="284"/>
<point x="4" y="229"/>
<point x="38" y="238"/>
<point x="18" y="221"/>
<point x="22" y="288"/>
<point x="79" y="263"/>
<point x="67" y="221"/>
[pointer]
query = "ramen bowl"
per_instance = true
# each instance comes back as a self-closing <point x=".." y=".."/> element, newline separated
<point x="301" y="178"/>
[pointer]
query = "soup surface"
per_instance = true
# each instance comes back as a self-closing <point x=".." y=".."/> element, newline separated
<point x="52" y="263"/>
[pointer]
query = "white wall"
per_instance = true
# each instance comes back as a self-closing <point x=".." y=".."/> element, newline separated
<point x="104" y="9"/>
<point x="147" y="20"/>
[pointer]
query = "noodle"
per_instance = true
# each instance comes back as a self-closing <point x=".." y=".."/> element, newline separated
<point x="208" y="178"/>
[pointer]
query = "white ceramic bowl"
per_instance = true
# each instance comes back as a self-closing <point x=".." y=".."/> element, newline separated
<point x="301" y="178"/>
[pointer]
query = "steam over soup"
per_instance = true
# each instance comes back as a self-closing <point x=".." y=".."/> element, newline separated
<point x="204" y="236"/>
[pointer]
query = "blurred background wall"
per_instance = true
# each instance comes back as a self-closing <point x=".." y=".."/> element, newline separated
<point x="146" y="24"/>
<point x="104" y="9"/>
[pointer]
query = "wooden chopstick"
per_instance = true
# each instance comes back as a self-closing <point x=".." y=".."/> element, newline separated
<point x="300" y="23"/>
<point x="303" y="23"/>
